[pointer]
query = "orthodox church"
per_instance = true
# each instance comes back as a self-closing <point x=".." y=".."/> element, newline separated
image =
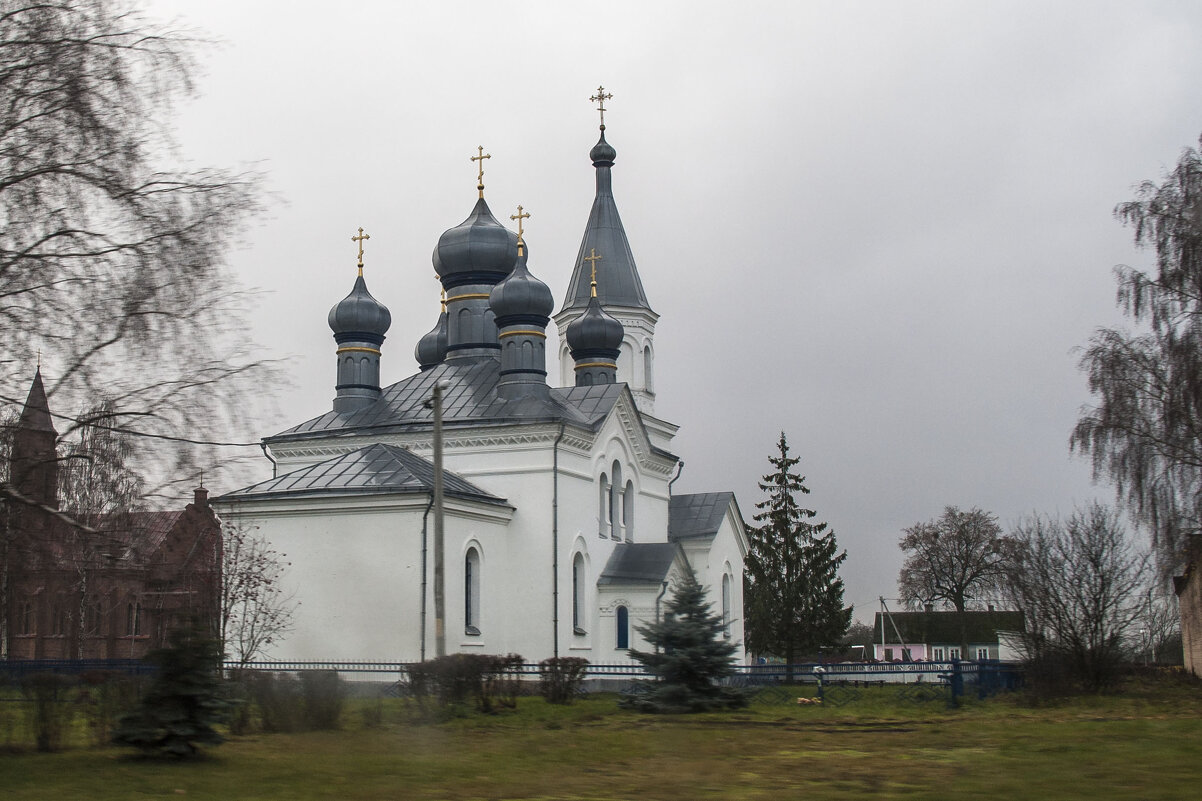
<point x="561" y="530"/>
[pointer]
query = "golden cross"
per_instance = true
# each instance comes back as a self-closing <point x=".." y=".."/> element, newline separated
<point x="519" y="217"/>
<point x="360" y="239"/>
<point x="480" y="157"/>
<point x="593" y="258"/>
<point x="600" y="99"/>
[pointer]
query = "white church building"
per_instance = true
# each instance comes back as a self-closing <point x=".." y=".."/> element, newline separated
<point x="562" y="530"/>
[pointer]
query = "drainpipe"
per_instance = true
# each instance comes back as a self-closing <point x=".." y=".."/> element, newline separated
<point x="555" y="542"/>
<point x="425" y="517"/>
<point x="270" y="458"/>
<point x="679" y="470"/>
<point x="663" y="589"/>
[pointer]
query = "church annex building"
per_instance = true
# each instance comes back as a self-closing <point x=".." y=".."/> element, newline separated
<point x="562" y="532"/>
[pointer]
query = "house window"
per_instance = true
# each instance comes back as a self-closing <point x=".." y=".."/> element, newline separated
<point x="92" y="617"/>
<point x="133" y="620"/>
<point x="58" y="620"/>
<point x="982" y="653"/>
<point x="603" y="507"/>
<point x="937" y="654"/>
<point x="615" y="502"/>
<point x="628" y="510"/>
<point x="953" y="653"/>
<point x="906" y="657"/>
<point x="623" y="617"/>
<point x="888" y="654"/>
<point x="27" y="618"/>
<point x="726" y="605"/>
<point x="578" y="595"/>
<point x="471" y="592"/>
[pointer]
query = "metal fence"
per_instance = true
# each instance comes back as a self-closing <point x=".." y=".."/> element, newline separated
<point x="833" y="683"/>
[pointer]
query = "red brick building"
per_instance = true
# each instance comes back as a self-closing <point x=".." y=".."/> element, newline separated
<point x="106" y="586"/>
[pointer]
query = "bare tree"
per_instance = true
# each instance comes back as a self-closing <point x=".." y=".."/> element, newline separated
<point x="956" y="558"/>
<point x="255" y="610"/>
<point x="1080" y="586"/>
<point x="112" y="264"/>
<point x="1145" y="433"/>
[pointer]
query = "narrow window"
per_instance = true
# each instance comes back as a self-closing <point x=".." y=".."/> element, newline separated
<point x="623" y="617"/>
<point x="27" y="618"/>
<point x="615" y="502"/>
<point x="58" y="620"/>
<point x="471" y="592"/>
<point x="628" y="510"/>
<point x="888" y="654"/>
<point x="133" y="619"/>
<point x="726" y="606"/>
<point x="647" y="384"/>
<point x="603" y="506"/>
<point x="578" y="595"/>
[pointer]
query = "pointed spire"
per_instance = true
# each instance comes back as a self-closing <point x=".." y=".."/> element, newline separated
<point x="605" y="234"/>
<point x="34" y="461"/>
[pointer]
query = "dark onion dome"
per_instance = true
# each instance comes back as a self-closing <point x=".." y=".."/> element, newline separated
<point x="594" y="332"/>
<point x="521" y="298"/>
<point x="432" y="348"/>
<point x="360" y="313"/>
<point x="602" y="151"/>
<point x="477" y="251"/>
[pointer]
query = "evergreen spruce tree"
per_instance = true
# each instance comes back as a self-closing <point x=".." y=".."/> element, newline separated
<point x="184" y="701"/>
<point x="691" y="656"/>
<point x="793" y="596"/>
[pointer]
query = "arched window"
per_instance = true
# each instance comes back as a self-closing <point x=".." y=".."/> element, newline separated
<point x="578" y="585"/>
<point x="628" y="510"/>
<point x="603" y="506"/>
<point x="471" y="592"/>
<point x="726" y="605"/>
<point x="647" y="369"/>
<point x="92" y="616"/>
<point x="623" y="617"/>
<point x="58" y="619"/>
<point x="27" y="618"/>
<point x="615" y="502"/>
<point x="133" y="619"/>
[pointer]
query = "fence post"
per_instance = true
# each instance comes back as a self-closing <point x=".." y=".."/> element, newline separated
<point x="818" y="671"/>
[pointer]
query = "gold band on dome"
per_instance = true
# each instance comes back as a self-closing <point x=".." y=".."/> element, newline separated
<point x="587" y="365"/>
<point x="524" y="332"/>
<point x="473" y="296"/>
<point x="358" y="350"/>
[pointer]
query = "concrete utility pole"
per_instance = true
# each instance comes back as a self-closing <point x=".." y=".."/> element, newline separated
<point x="440" y="600"/>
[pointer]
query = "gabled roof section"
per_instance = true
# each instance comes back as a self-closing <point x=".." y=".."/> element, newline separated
<point x="469" y="398"/>
<point x="697" y="516"/>
<point x="373" y="469"/>
<point x="948" y="626"/>
<point x="639" y="563"/>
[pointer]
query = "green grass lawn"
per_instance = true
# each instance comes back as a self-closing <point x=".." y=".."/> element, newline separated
<point x="1144" y="743"/>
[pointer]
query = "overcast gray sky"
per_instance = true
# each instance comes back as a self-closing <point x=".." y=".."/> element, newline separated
<point x="881" y="227"/>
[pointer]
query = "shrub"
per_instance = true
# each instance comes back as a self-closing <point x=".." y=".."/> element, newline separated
<point x="48" y="710"/>
<point x="561" y="678"/>
<point x="488" y="680"/>
<point x="324" y="693"/>
<point x="105" y="696"/>
<point x="277" y="696"/>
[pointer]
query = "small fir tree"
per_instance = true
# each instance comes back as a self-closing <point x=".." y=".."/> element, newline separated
<point x="184" y="702"/>
<point x="691" y="656"/>
<point x="793" y="596"/>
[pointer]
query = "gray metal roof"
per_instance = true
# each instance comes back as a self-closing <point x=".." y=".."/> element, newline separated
<point x="641" y="562"/>
<point x="700" y="515"/>
<point x="370" y="470"/>
<point x="948" y="626"/>
<point x="618" y="282"/>
<point x="469" y="398"/>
